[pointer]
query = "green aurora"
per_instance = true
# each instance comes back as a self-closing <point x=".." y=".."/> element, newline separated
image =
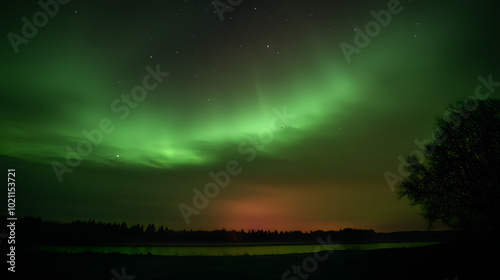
<point x="228" y="87"/>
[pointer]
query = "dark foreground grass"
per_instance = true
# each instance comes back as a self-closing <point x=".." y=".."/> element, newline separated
<point x="472" y="260"/>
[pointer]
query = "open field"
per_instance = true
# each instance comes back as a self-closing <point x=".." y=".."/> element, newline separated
<point x="473" y="260"/>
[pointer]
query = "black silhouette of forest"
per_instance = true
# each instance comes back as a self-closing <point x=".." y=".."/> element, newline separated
<point x="33" y="231"/>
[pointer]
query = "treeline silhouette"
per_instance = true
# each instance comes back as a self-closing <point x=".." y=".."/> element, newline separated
<point x="33" y="231"/>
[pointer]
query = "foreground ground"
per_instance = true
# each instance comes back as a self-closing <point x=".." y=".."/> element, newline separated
<point x="457" y="260"/>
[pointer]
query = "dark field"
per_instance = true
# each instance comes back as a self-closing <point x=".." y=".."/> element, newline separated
<point x="463" y="260"/>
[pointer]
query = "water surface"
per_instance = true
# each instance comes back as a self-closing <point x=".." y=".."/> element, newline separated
<point x="229" y="250"/>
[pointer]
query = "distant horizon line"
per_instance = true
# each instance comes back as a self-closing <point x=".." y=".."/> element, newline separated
<point x="157" y="226"/>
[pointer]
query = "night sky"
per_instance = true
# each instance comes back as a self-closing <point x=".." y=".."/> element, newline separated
<point x="307" y="131"/>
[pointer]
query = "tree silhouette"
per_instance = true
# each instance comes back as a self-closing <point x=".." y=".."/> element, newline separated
<point x="458" y="179"/>
<point x="151" y="228"/>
